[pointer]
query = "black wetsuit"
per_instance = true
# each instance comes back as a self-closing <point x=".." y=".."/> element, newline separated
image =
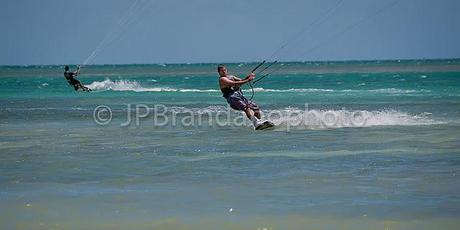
<point x="70" y="77"/>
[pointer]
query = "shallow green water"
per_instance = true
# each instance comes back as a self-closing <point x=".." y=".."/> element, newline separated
<point x="358" y="145"/>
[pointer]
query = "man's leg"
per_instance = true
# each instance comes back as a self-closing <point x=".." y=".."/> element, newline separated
<point x="81" y="86"/>
<point x="251" y="115"/>
<point x="257" y="114"/>
<point x="255" y="109"/>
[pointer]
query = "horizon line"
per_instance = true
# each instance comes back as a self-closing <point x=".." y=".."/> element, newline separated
<point x="247" y="62"/>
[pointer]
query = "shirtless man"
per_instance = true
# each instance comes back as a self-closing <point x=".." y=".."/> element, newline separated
<point x="231" y="91"/>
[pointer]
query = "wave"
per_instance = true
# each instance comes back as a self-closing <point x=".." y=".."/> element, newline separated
<point x="125" y="85"/>
<point x="394" y="90"/>
<point x="293" y="90"/>
<point x="312" y="90"/>
<point x="297" y="119"/>
<point x="330" y="119"/>
<point x="129" y="85"/>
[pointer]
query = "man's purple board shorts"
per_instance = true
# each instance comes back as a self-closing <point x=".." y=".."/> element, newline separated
<point x="242" y="104"/>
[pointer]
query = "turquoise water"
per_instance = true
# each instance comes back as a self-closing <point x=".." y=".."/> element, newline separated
<point x="358" y="145"/>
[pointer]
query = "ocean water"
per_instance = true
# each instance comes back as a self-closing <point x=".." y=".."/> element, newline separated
<point x="357" y="145"/>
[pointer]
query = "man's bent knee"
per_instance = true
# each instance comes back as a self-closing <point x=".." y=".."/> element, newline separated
<point x="249" y="112"/>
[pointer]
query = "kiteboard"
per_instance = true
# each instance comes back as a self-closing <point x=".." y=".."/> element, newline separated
<point x="265" y="125"/>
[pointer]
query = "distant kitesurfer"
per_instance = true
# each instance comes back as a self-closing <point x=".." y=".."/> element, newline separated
<point x="230" y="87"/>
<point x="70" y="77"/>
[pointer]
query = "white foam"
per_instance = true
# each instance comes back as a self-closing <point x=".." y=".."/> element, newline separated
<point x="298" y="119"/>
<point x="388" y="91"/>
<point x="130" y="85"/>
<point x="126" y="85"/>
<point x="198" y="90"/>
<point x="330" y="119"/>
<point x="394" y="90"/>
<point x="308" y="90"/>
<point x="292" y="90"/>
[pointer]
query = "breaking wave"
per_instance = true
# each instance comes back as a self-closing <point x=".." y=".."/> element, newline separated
<point x="317" y="119"/>
<point x="330" y="119"/>
<point x="124" y="85"/>
<point x="128" y="85"/>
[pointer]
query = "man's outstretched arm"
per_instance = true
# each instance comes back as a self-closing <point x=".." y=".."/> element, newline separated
<point x="77" y="72"/>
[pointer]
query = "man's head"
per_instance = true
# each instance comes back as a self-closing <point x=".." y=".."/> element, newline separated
<point x="222" y="70"/>
<point x="66" y="68"/>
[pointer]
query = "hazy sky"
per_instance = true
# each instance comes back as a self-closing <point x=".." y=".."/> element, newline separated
<point x="173" y="31"/>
